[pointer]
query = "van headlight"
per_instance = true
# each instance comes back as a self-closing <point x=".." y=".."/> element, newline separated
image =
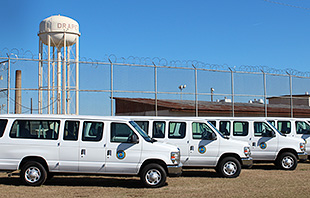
<point x="175" y="157"/>
<point x="247" y="151"/>
<point x="302" y="146"/>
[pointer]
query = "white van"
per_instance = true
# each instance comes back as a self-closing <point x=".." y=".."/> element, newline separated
<point x="267" y="143"/>
<point x="43" y="145"/>
<point x="201" y="145"/>
<point x="293" y="127"/>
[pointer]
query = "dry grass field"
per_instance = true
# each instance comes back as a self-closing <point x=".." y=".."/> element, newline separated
<point x="262" y="180"/>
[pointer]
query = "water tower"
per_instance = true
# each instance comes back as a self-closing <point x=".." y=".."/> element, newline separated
<point x="59" y="55"/>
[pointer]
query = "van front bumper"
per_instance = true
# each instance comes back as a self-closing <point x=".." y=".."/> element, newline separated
<point x="174" y="170"/>
<point x="303" y="156"/>
<point x="247" y="162"/>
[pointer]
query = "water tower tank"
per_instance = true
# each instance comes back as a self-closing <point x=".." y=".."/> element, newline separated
<point x="56" y="26"/>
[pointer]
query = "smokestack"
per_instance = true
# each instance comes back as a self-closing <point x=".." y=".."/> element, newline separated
<point x="18" y="92"/>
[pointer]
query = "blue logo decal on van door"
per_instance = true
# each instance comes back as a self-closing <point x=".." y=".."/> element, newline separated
<point x="263" y="145"/>
<point x="120" y="154"/>
<point x="202" y="149"/>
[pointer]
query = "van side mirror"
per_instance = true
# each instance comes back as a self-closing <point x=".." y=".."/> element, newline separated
<point x="213" y="136"/>
<point x="134" y="139"/>
<point x="269" y="133"/>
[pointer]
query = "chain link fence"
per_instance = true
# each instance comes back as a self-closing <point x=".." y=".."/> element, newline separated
<point x="133" y="77"/>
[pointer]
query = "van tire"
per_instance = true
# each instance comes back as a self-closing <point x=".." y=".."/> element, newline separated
<point x="33" y="174"/>
<point x="287" y="161"/>
<point x="153" y="176"/>
<point x="229" y="167"/>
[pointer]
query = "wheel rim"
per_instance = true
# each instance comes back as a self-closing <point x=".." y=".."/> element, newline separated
<point x="153" y="177"/>
<point x="32" y="174"/>
<point x="287" y="162"/>
<point x="230" y="168"/>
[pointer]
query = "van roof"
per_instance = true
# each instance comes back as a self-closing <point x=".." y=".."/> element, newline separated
<point x="61" y="116"/>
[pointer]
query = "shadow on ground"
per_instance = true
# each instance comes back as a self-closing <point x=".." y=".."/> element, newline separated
<point x="80" y="181"/>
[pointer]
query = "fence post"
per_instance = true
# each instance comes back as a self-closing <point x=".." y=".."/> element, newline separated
<point x="232" y="92"/>
<point x="196" y="96"/>
<point x="265" y="93"/>
<point x="111" y="83"/>
<point x="155" y="84"/>
<point x="291" y="95"/>
<point x="8" y="86"/>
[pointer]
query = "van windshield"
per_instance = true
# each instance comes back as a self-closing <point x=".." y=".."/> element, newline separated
<point x="140" y="131"/>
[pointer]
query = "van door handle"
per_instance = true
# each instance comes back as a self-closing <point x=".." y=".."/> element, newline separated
<point x="109" y="152"/>
<point x="191" y="148"/>
<point x="253" y="143"/>
<point x="83" y="152"/>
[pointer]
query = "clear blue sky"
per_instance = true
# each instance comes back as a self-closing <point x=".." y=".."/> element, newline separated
<point x="234" y="32"/>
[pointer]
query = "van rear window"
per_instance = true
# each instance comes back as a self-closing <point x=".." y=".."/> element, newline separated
<point x="2" y="126"/>
<point x="35" y="129"/>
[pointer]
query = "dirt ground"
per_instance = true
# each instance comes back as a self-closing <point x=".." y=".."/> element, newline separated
<point x="263" y="180"/>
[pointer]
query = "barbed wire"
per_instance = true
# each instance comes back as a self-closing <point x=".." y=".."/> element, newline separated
<point x="134" y="60"/>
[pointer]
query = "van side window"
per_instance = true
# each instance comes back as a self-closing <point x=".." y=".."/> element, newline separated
<point x="159" y="129"/>
<point x="71" y="130"/>
<point x="35" y="129"/>
<point x="92" y="131"/>
<point x="143" y="125"/>
<point x="284" y="127"/>
<point x="302" y="127"/>
<point x="225" y="127"/>
<point x="201" y="131"/>
<point x="177" y="130"/>
<point x="240" y="128"/>
<point x="120" y="132"/>
<point x="262" y="129"/>
<point x="2" y="126"/>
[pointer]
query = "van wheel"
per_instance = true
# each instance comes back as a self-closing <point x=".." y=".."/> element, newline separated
<point x="33" y="174"/>
<point x="153" y="176"/>
<point x="229" y="167"/>
<point x="287" y="161"/>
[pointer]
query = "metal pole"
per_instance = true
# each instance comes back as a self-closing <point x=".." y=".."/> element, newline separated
<point x="196" y="91"/>
<point x="9" y="87"/>
<point x="265" y="93"/>
<point x="68" y="80"/>
<point x="77" y="76"/>
<point x="40" y="77"/>
<point x="58" y="79"/>
<point x="64" y="67"/>
<point x="232" y="92"/>
<point x="48" y="74"/>
<point x="111" y="83"/>
<point x="291" y="95"/>
<point x="155" y="84"/>
<point x="53" y="82"/>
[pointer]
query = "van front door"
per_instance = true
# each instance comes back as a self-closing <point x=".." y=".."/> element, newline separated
<point x="264" y="143"/>
<point x="204" y="146"/>
<point x="123" y="150"/>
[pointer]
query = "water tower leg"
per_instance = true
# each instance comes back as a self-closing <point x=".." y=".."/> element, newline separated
<point x="49" y="74"/>
<point x="58" y="80"/>
<point x="77" y="76"/>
